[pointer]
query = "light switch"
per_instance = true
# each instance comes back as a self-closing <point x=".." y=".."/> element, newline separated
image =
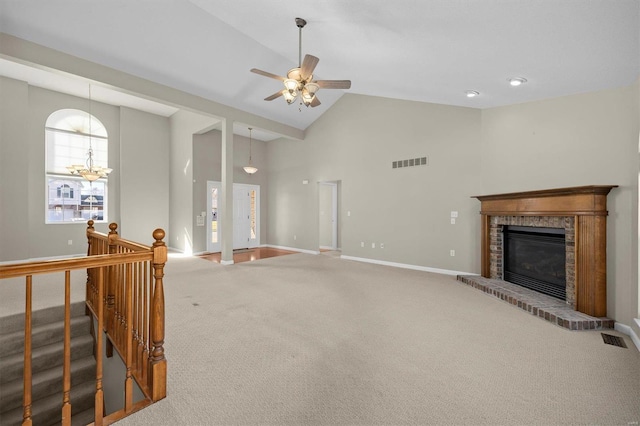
<point x="454" y="214"/>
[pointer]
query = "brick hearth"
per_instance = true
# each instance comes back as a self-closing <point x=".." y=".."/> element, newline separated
<point x="546" y="307"/>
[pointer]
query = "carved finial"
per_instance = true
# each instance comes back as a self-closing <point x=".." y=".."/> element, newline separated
<point x="158" y="235"/>
<point x="90" y="224"/>
<point x="113" y="226"/>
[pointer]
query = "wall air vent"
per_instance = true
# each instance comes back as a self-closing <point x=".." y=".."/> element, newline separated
<point x="420" y="161"/>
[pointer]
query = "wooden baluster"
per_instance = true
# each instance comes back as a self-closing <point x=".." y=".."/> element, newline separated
<point x="158" y="361"/>
<point x="66" y="369"/>
<point x="138" y="304"/>
<point x="128" y="384"/>
<point x="145" y="326"/>
<point x="99" y="398"/>
<point x="90" y="286"/>
<point x="26" y="399"/>
<point x="112" y="279"/>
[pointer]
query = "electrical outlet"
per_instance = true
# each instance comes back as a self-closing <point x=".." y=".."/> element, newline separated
<point x="381" y="245"/>
<point x="70" y="242"/>
<point x="373" y="245"/>
<point x="295" y="237"/>
<point x="361" y="243"/>
<point x="452" y="252"/>
<point x="453" y="221"/>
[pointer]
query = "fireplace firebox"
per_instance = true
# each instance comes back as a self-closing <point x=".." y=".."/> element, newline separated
<point x="535" y="258"/>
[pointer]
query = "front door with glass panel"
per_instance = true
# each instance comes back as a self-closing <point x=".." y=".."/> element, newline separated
<point x="246" y="216"/>
<point x="213" y="225"/>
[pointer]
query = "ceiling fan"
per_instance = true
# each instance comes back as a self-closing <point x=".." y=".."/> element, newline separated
<point x="299" y="81"/>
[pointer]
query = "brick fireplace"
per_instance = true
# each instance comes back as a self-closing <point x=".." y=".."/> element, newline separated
<point x="580" y="211"/>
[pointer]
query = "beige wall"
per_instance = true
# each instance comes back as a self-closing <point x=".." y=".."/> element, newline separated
<point x="184" y="125"/>
<point x="144" y="198"/>
<point x="14" y="160"/>
<point x="36" y="239"/>
<point x="408" y="210"/>
<point x="587" y="139"/>
<point x="132" y="134"/>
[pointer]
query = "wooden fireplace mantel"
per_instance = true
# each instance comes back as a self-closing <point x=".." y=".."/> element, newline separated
<point x="588" y="206"/>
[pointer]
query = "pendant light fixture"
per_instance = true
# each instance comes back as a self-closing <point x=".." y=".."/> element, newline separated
<point x="89" y="170"/>
<point x="250" y="169"/>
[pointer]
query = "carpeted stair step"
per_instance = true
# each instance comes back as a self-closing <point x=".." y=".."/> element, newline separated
<point x="83" y="418"/>
<point x="48" y="411"/>
<point x="44" y="357"/>
<point x="13" y="323"/>
<point x="46" y="334"/>
<point x="47" y="382"/>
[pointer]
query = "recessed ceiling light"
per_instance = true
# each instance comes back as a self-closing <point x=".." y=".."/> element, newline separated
<point x="472" y="93"/>
<point x="517" y="81"/>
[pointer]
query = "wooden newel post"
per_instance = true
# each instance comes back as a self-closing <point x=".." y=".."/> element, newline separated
<point x="158" y="366"/>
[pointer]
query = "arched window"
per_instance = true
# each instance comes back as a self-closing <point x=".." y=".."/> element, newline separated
<point x="69" y="134"/>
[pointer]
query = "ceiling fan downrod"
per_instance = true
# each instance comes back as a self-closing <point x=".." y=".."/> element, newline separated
<point x="300" y="23"/>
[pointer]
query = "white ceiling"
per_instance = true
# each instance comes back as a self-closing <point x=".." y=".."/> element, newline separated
<point x="420" y="50"/>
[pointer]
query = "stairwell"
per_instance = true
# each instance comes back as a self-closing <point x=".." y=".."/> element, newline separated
<point x="47" y="360"/>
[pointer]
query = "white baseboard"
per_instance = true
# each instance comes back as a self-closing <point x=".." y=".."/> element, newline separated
<point x="293" y="249"/>
<point x="226" y="262"/>
<point x="406" y="266"/>
<point x="328" y="248"/>
<point x="625" y="329"/>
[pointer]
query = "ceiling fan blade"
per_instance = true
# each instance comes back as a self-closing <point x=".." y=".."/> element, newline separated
<point x="334" y="84"/>
<point x="315" y="102"/>
<point x="274" y="96"/>
<point x="308" y="65"/>
<point x="267" y="74"/>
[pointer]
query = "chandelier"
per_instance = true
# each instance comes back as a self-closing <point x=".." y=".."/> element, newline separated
<point x="250" y="168"/>
<point x="89" y="170"/>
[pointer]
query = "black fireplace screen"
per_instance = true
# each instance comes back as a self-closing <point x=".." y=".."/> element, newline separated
<point x="536" y="258"/>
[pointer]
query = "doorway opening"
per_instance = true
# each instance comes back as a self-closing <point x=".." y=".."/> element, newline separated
<point x="328" y="216"/>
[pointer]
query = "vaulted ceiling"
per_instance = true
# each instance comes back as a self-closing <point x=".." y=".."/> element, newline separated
<point x="419" y="50"/>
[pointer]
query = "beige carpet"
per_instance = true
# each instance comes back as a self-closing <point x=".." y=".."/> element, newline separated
<point x="316" y="340"/>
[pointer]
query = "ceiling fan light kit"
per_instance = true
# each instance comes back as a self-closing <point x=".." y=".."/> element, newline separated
<point x="299" y="81"/>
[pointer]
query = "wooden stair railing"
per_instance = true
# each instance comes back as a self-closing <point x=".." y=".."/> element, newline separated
<point x="133" y="308"/>
<point x="126" y="296"/>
